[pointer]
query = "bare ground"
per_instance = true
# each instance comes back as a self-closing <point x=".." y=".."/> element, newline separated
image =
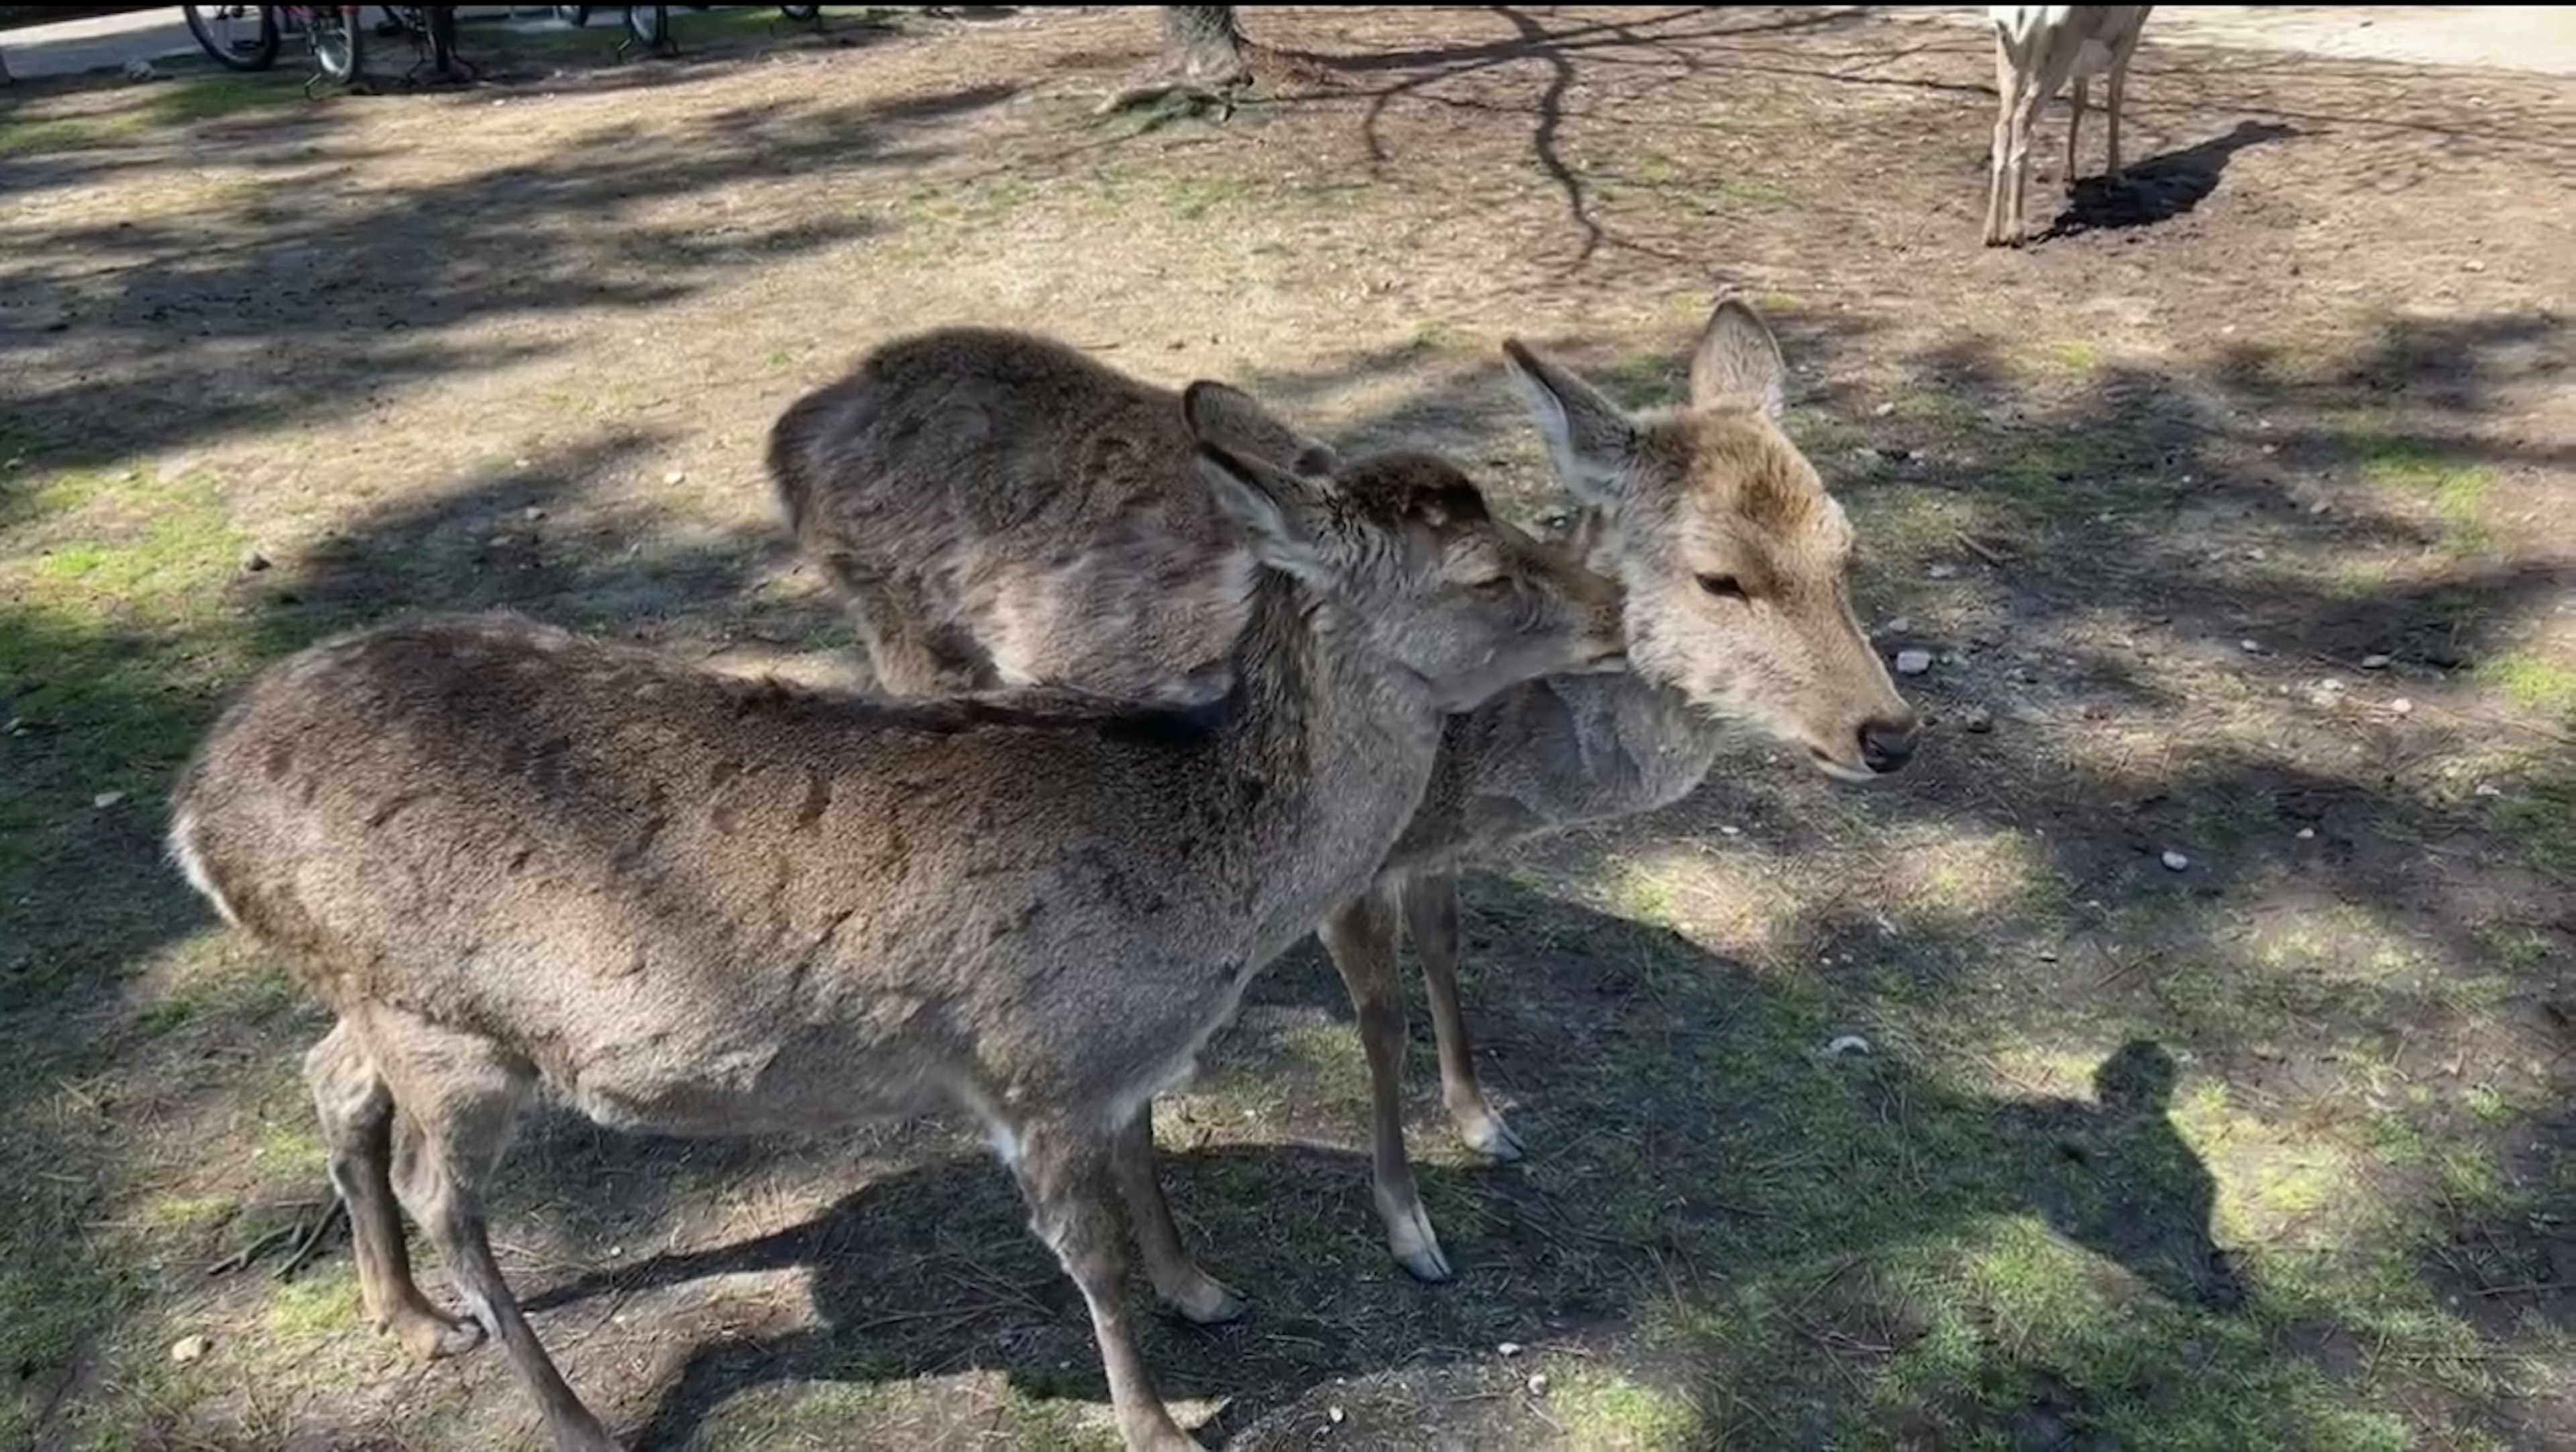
<point x="2233" y="513"/>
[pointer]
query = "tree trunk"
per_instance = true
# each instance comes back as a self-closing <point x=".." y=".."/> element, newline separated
<point x="1205" y="43"/>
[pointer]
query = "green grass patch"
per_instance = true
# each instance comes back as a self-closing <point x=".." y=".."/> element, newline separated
<point x="2533" y="681"/>
<point x="2456" y="493"/>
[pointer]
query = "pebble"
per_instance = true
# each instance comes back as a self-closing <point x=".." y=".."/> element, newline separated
<point x="520" y="463"/>
<point x="1538" y="1383"/>
<point x="252" y="562"/>
<point x="1731" y="830"/>
<point x="2175" y="861"/>
<point x="1898" y="625"/>
<point x="105" y="800"/>
<point x="676" y="476"/>
<point x="1913" y="662"/>
<point x="188" y="1348"/>
<point x="2307" y="834"/>
<point x="1509" y="1348"/>
<point x="1884" y="410"/>
<point x="2251" y="647"/>
<point x="2374" y="662"/>
<point x="1978" y="720"/>
<point x="534" y="513"/>
<point x="1941" y="572"/>
<point x="1334" y="1415"/>
<point x="2489" y="789"/>
<point x="1847" y="1045"/>
<point x="2401" y="706"/>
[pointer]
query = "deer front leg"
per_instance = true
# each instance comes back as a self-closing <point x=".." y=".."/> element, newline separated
<point x="2005" y="87"/>
<point x="2074" y="127"/>
<point x="1360" y="936"/>
<point x="2118" y="91"/>
<point x="1431" y="915"/>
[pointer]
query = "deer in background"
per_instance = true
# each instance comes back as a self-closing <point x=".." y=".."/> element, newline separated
<point x="695" y="903"/>
<point x="2038" y="49"/>
<point x="958" y="489"/>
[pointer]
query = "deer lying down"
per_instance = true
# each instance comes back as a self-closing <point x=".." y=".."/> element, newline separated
<point x="2038" y="49"/>
<point x="962" y="484"/>
<point x="697" y="904"/>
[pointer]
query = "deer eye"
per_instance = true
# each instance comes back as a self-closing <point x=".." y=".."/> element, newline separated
<point x="1724" y="587"/>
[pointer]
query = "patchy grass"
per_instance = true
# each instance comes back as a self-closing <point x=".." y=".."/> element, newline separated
<point x="2255" y="1153"/>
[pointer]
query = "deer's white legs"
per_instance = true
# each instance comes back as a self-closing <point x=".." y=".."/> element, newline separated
<point x="1431" y="915"/>
<point x="2118" y="93"/>
<point x="2074" y="128"/>
<point x="1360" y="936"/>
<point x="357" y="1113"/>
<point x="2001" y="228"/>
<point x="1067" y="1174"/>
<point x="1176" y="1274"/>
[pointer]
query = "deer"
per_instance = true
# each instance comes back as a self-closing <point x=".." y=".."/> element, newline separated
<point x="510" y="858"/>
<point x="952" y="489"/>
<point x="2038" y="49"/>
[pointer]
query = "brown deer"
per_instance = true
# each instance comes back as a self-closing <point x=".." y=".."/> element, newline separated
<point x="2038" y="49"/>
<point x="696" y="903"/>
<point x="955" y="488"/>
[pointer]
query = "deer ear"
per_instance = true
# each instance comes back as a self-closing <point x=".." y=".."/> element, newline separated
<point x="1233" y="420"/>
<point x="1278" y="511"/>
<point x="1738" y="364"/>
<point x="1590" y="438"/>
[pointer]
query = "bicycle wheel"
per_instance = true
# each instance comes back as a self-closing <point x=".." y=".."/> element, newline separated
<point x="239" y="37"/>
<point x="649" y="24"/>
<point x="339" y="44"/>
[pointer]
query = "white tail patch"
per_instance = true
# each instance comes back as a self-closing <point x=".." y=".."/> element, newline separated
<point x="183" y="851"/>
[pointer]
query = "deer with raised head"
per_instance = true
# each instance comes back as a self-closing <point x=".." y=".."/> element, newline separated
<point x="943" y="525"/>
<point x="695" y="903"/>
<point x="2038" y="49"/>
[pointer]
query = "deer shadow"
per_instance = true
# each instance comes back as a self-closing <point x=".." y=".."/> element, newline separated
<point x="931" y="1270"/>
<point x="2162" y="187"/>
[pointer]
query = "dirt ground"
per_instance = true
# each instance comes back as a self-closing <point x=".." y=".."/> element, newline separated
<point x="2214" y="961"/>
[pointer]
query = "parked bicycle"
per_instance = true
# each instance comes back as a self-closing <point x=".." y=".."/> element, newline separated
<point x="250" y="37"/>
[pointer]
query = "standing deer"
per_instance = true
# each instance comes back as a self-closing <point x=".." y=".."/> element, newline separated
<point x="966" y="488"/>
<point x="693" y="903"/>
<point x="2038" y="49"/>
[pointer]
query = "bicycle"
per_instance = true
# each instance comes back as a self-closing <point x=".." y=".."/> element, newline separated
<point x="333" y="32"/>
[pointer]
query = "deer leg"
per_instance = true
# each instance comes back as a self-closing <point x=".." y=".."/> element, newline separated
<point x="2006" y="84"/>
<point x="2117" y="95"/>
<point x="1066" y="1174"/>
<point x="1177" y="1276"/>
<point x="2074" y="126"/>
<point x="357" y="1113"/>
<point x="462" y="1093"/>
<point x="1360" y="936"/>
<point x="1431" y="915"/>
<point x="909" y="652"/>
<point x="2025" y="119"/>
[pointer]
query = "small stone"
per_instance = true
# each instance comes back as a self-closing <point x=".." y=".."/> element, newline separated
<point x="2251" y="647"/>
<point x="1509" y="1348"/>
<point x="2374" y="662"/>
<point x="1731" y="830"/>
<point x="1977" y="720"/>
<point x="533" y="514"/>
<point x="1847" y="1046"/>
<point x="2307" y="834"/>
<point x="1538" y="1383"/>
<point x="139" y="69"/>
<point x="2473" y="265"/>
<point x="2401" y="707"/>
<point x="1884" y="410"/>
<point x="1334" y="1415"/>
<point x="105" y="800"/>
<point x="1913" y="662"/>
<point x="2175" y="861"/>
<point x="252" y="562"/>
<point x="676" y="476"/>
<point x="2489" y="789"/>
<point x="520" y="463"/>
<point x="1898" y="625"/>
<point x="1941" y="572"/>
<point x="189" y="1348"/>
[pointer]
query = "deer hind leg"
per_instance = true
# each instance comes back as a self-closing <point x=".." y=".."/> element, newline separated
<point x="2074" y="128"/>
<point x="1066" y="1173"/>
<point x="911" y="652"/>
<point x="2116" y="96"/>
<point x="1360" y="937"/>
<point x="1178" y="1278"/>
<point x="357" y="1113"/>
<point x="1997" y="159"/>
<point x="1431" y="915"/>
<point x="461" y="1094"/>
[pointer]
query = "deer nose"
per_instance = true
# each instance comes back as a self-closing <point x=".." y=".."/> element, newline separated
<point x="1886" y="746"/>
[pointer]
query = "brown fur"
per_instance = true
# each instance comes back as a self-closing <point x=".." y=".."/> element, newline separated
<point x="1670" y="496"/>
<point x="503" y="853"/>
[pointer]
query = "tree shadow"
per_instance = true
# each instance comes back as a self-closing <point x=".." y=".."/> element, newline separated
<point x="2161" y="187"/>
<point x="931" y="1271"/>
